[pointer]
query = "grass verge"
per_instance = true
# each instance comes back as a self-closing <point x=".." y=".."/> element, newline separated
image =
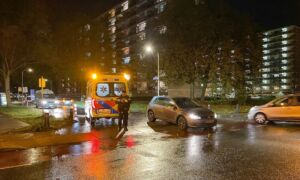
<point x="31" y="116"/>
<point x="141" y="106"/>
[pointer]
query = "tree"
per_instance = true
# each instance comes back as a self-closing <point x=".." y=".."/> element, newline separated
<point x="200" y="40"/>
<point x="25" y="38"/>
<point x="11" y="41"/>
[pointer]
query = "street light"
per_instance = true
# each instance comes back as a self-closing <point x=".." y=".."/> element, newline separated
<point x="30" y="70"/>
<point x="149" y="49"/>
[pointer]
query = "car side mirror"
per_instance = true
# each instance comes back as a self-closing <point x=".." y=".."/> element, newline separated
<point x="175" y="108"/>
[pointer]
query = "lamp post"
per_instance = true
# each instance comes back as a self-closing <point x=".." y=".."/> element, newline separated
<point x="149" y="49"/>
<point x="28" y="70"/>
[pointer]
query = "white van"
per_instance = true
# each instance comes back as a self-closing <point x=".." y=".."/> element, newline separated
<point x="45" y="99"/>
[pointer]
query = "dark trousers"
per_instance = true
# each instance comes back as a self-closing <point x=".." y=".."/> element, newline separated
<point x="123" y="119"/>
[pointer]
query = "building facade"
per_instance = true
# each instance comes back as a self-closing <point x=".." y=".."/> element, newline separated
<point x="281" y="61"/>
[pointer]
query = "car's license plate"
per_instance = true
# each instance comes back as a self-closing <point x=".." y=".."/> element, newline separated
<point x="104" y="111"/>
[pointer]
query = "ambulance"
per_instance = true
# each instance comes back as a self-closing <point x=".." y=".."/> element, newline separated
<point x="101" y="94"/>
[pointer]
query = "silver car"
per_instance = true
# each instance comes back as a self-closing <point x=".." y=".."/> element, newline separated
<point x="285" y="108"/>
<point x="181" y="111"/>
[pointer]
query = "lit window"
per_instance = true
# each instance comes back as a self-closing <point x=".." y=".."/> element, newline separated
<point x="284" y="61"/>
<point x="285" y="87"/>
<point x="284" y="80"/>
<point x="87" y="27"/>
<point x="284" y="74"/>
<point x="266" y="57"/>
<point x="284" y="42"/>
<point x="141" y="26"/>
<point x="113" y="29"/>
<point x="267" y="63"/>
<point x="266" y="81"/>
<point x="248" y="71"/>
<point x="284" y="29"/>
<point x="126" y="60"/>
<point x="266" y="75"/>
<point x="126" y="50"/>
<point x="266" y="69"/>
<point x="284" y="36"/>
<point x="284" y="55"/>
<point x="114" y="70"/>
<point x="142" y="35"/>
<point x="163" y="29"/>
<point x="160" y="7"/>
<point x="266" y="87"/>
<point x="266" y="51"/>
<point x="266" y="33"/>
<point x="88" y="54"/>
<point x="276" y="75"/>
<point x="265" y="39"/>
<point x="112" y="21"/>
<point x="125" y="6"/>
<point x="284" y="67"/>
<point x="284" y="49"/>
<point x="112" y="13"/>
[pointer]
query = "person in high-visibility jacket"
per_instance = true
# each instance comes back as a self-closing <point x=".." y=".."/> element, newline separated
<point x="123" y="107"/>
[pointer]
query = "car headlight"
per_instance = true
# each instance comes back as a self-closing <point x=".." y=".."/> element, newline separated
<point x="194" y="116"/>
<point x="44" y="102"/>
<point x="215" y="115"/>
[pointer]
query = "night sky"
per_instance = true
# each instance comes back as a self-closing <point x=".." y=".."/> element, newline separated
<point x="266" y="13"/>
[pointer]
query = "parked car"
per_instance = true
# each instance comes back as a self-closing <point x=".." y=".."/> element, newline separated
<point x="286" y="108"/>
<point x="181" y="111"/>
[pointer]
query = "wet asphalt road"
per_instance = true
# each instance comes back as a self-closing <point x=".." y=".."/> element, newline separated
<point x="233" y="150"/>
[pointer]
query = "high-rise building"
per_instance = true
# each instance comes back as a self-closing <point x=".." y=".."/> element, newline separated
<point x="281" y="61"/>
<point x="129" y="26"/>
<point x="129" y="23"/>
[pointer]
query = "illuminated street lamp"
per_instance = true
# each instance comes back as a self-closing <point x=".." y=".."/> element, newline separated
<point x="30" y="70"/>
<point x="149" y="49"/>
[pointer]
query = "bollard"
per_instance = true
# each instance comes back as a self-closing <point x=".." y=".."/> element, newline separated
<point x="71" y="116"/>
<point x="46" y="123"/>
<point x="237" y="109"/>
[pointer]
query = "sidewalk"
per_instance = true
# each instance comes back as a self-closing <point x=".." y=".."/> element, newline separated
<point x="8" y="124"/>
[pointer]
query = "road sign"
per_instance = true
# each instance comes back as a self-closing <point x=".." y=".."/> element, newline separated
<point x="19" y="89"/>
<point x="42" y="82"/>
<point x="25" y="90"/>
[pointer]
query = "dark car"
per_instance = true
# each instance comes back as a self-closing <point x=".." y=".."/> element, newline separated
<point x="181" y="111"/>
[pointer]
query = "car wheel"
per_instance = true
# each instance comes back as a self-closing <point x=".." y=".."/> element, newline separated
<point x="151" y="116"/>
<point x="181" y="122"/>
<point x="260" y="118"/>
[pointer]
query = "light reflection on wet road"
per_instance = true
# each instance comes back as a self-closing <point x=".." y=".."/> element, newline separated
<point x="233" y="150"/>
